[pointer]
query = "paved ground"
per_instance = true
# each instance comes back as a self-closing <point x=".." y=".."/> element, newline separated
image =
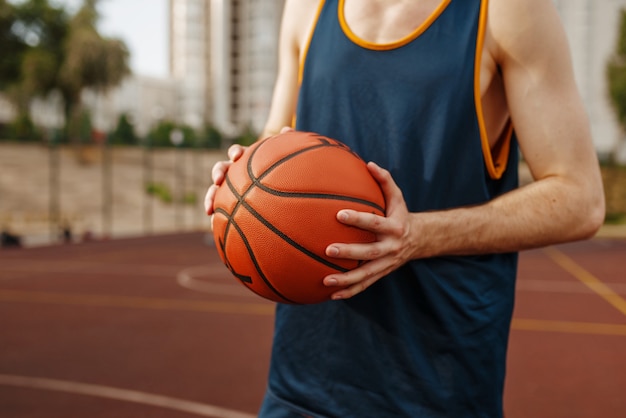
<point x="155" y="327"/>
<point x="114" y="314"/>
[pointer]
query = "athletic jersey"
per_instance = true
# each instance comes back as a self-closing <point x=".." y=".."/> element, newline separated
<point x="430" y="339"/>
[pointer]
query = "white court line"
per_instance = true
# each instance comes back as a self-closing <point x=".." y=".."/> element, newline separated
<point x="187" y="279"/>
<point x="121" y="395"/>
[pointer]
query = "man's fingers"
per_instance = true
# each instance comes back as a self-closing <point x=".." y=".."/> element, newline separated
<point x="368" y="221"/>
<point x="219" y="171"/>
<point x="235" y="151"/>
<point x="366" y="251"/>
<point x="208" y="199"/>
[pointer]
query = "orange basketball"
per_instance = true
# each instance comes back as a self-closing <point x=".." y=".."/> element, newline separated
<point x="275" y="214"/>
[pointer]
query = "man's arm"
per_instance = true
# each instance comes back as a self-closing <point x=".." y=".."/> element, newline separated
<point x="298" y="17"/>
<point x="565" y="203"/>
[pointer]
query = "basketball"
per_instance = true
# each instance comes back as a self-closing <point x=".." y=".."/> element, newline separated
<point x="275" y="214"/>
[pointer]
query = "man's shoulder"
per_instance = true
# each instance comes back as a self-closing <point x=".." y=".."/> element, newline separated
<point x="298" y="16"/>
<point x="516" y="26"/>
<point x="302" y="8"/>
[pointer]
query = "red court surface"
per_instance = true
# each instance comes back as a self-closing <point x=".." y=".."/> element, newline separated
<point x="155" y="327"/>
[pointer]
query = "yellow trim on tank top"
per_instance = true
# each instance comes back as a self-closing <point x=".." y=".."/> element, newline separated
<point x="495" y="166"/>
<point x="496" y="169"/>
<point x="305" y="51"/>
<point x="391" y="45"/>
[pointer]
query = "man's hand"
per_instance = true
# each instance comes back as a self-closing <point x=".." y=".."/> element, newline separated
<point x="218" y="174"/>
<point x="219" y="170"/>
<point x="392" y="248"/>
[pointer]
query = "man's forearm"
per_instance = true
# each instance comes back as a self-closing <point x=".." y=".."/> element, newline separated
<point x="542" y="213"/>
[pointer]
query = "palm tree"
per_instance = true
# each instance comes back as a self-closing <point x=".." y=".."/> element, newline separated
<point x="91" y="61"/>
<point x="31" y="37"/>
<point x="47" y="51"/>
<point x="11" y="45"/>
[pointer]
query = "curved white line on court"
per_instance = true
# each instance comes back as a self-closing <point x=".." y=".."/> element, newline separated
<point x="121" y="395"/>
<point x="187" y="279"/>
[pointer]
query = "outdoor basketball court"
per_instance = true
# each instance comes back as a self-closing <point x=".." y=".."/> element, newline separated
<point x="155" y="327"/>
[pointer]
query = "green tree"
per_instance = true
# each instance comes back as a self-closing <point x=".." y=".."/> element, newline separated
<point x="616" y="74"/>
<point x="11" y="45"/>
<point x="44" y="49"/>
<point x="91" y="61"/>
<point x="247" y="137"/>
<point x="160" y="135"/>
<point x="23" y="128"/>
<point x="124" y="132"/>
<point x="211" y="138"/>
<point x="32" y="36"/>
<point x="43" y="28"/>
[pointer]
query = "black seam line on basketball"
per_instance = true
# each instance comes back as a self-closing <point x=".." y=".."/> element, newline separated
<point x="291" y="242"/>
<point x="282" y="160"/>
<point x="242" y="277"/>
<point x="239" y="198"/>
<point x="339" y="145"/>
<point x="231" y="221"/>
<point x="324" y="144"/>
<point x="250" y="252"/>
<point x="255" y="181"/>
<point x="327" y="196"/>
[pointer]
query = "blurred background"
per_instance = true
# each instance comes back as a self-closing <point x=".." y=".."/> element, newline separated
<point x="112" y="112"/>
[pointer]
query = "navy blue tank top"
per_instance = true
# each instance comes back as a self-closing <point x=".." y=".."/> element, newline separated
<point x="430" y="339"/>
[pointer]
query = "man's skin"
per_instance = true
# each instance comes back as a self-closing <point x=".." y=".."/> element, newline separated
<point x="527" y="76"/>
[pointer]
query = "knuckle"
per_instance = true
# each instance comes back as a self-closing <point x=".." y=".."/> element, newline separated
<point x="376" y="221"/>
<point x="368" y="273"/>
<point x="396" y="248"/>
<point x="374" y="253"/>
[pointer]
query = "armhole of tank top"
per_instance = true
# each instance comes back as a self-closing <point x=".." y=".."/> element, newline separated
<point x="305" y="51"/>
<point x="391" y="45"/>
<point x="495" y="162"/>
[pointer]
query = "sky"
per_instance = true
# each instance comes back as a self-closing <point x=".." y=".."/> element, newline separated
<point x="142" y="24"/>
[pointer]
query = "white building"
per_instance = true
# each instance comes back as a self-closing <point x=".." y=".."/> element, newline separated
<point x="189" y="58"/>
<point x="223" y="64"/>
<point x="146" y="100"/>
<point x="224" y="56"/>
<point x="240" y="60"/>
<point x="592" y="27"/>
